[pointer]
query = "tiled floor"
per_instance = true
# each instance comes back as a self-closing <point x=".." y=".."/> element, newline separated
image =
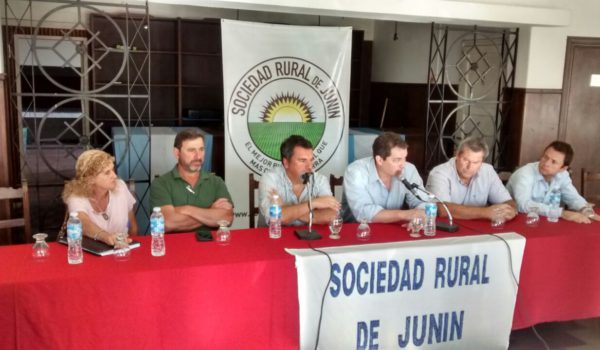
<point x="573" y="335"/>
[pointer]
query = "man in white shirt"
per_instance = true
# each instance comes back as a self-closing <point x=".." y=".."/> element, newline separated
<point x="532" y="184"/>
<point x="470" y="188"/>
<point x="296" y="159"/>
<point x="373" y="190"/>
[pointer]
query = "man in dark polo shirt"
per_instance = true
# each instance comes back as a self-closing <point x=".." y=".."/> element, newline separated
<point x="191" y="199"/>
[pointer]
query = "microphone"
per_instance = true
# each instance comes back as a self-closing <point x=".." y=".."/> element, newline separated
<point x="189" y="188"/>
<point x="411" y="187"/>
<point x="443" y="226"/>
<point x="306" y="177"/>
<point x="309" y="234"/>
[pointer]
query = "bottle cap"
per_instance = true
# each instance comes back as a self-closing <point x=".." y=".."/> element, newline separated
<point x="73" y="214"/>
<point x="155" y="209"/>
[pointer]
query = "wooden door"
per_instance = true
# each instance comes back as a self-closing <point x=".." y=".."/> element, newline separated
<point x="579" y="122"/>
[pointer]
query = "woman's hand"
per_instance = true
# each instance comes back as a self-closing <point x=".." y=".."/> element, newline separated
<point x="111" y="238"/>
<point x="107" y="237"/>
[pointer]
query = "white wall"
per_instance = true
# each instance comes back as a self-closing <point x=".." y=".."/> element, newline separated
<point x="546" y="54"/>
<point x="471" y="12"/>
<point x="524" y="48"/>
<point x="197" y="12"/>
<point x="541" y="48"/>
<point x="541" y="54"/>
<point x="404" y="60"/>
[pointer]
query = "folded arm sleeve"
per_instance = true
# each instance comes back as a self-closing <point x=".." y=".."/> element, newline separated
<point x="439" y="185"/>
<point x="266" y="185"/>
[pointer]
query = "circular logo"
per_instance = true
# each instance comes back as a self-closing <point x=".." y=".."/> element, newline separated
<point x="280" y="97"/>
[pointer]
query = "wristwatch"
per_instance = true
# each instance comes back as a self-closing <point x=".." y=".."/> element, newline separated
<point x="588" y="211"/>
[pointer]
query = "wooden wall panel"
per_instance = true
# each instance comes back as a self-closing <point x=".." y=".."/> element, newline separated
<point x="580" y="115"/>
<point x="540" y="123"/>
<point x="406" y="106"/>
<point x="533" y="124"/>
<point x="512" y="129"/>
<point x="406" y="113"/>
<point x="4" y="159"/>
<point x="4" y="139"/>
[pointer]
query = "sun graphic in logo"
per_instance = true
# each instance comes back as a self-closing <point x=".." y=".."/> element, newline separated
<point x="287" y="108"/>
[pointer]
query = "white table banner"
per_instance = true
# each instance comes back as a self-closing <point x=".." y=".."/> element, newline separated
<point x="450" y="293"/>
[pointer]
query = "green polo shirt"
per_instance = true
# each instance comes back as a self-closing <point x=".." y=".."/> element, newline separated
<point x="171" y="189"/>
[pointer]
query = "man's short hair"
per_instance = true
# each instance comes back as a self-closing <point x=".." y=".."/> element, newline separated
<point x="475" y="144"/>
<point x="288" y="145"/>
<point x="383" y="144"/>
<point x="563" y="148"/>
<point x="187" y="134"/>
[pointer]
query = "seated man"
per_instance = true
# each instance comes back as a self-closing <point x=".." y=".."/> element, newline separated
<point x="373" y="189"/>
<point x="297" y="159"/>
<point x="532" y="184"/>
<point x="470" y="188"/>
<point x="191" y="199"/>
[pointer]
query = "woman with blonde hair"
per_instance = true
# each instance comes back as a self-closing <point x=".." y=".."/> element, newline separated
<point x="102" y="201"/>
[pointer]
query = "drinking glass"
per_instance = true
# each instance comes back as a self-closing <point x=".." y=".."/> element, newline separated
<point x="414" y="226"/>
<point x="335" y="226"/>
<point x="40" y="248"/>
<point x="533" y="216"/>
<point x="223" y="236"/>
<point x="498" y="219"/>
<point x="363" y="231"/>
<point x="122" y="251"/>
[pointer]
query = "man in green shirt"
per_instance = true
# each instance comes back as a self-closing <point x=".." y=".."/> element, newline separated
<point x="191" y="199"/>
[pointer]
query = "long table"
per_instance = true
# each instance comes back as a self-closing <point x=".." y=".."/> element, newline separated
<point x="244" y="295"/>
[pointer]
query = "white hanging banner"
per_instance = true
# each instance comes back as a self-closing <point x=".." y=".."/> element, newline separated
<point x="450" y="293"/>
<point x="281" y="80"/>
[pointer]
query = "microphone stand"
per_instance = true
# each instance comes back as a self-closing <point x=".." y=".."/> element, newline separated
<point x="449" y="226"/>
<point x="309" y="234"/>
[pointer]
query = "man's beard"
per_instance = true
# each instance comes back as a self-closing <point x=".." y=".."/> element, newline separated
<point x="194" y="168"/>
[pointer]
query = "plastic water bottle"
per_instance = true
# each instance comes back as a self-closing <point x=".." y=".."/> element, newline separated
<point x="554" y="211"/>
<point x="430" y="216"/>
<point x="275" y="217"/>
<point x="157" y="230"/>
<point x="74" y="237"/>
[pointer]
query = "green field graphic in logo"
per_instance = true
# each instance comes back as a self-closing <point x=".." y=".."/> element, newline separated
<point x="279" y="97"/>
<point x="282" y="116"/>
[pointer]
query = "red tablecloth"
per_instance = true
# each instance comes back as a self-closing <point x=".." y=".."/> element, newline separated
<point x="244" y="295"/>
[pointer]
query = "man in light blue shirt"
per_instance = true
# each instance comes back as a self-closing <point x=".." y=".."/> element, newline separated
<point x="471" y="188"/>
<point x="532" y="184"/>
<point x="373" y="190"/>
<point x="297" y="159"/>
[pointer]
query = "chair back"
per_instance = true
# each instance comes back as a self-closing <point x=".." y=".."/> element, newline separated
<point x="590" y="186"/>
<point x="334" y="182"/>
<point x="63" y="227"/>
<point x="252" y="207"/>
<point x="504" y="176"/>
<point x="10" y="194"/>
